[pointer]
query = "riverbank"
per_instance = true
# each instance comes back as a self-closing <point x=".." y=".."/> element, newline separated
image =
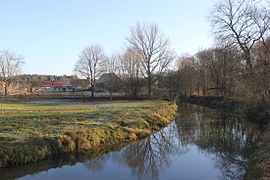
<point x="254" y="113"/>
<point x="32" y="132"/>
<point x="219" y="102"/>
<point x="259" y="163"/>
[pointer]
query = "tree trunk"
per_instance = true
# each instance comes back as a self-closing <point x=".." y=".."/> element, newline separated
<point x="248" y="59"/>
<point x="111" y="95"/>
<point x="136" y="92"/>
<point x="5" y="86"/>
<point x="5" y="93"/>
<point x="92" y="93"/>
<point x="149" y="87"/>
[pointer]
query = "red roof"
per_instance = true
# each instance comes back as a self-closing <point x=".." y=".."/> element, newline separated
<point x="52" y="84"/>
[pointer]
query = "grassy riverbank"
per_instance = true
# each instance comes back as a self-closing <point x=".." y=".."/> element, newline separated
<point x="253" y="112"/>
<point x="33" y="132"/>
<point x="218" y="102"/>
<point x="259" y="162"/>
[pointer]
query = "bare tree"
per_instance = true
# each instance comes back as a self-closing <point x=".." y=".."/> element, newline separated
<point x="112" y="64"/>
<point x="130" y="67"/>
<point x="217" y="69"/>
<point x="187" y="75"/>
<point x="10" y="66"/>
<point x="246" y="24"/>
<point x="153" y="50"/>
<point x="241" y="23"/>
<point x="261" y="85"/>
<point x="130" y="63"/>
<point x="112" y="67"/>
<point x="91" y="64"/>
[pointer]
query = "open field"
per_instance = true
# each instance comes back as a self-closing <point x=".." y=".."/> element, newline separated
<point x="32" y="131"/>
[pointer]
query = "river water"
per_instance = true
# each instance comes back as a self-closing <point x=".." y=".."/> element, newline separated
<point x="201" y="143"/>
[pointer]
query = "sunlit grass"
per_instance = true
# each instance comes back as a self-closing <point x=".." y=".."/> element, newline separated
<point x="52" y="129"/>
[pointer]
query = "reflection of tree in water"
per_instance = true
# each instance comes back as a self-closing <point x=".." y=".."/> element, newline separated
<point x="146" y="158"/>
<point x="97" y="164"/>
<point x="151" y="155"/>
<point x="224" y="137"/>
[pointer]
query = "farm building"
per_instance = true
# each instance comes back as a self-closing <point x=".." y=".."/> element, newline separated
<point x="48" y="86"/>
<point x="107" y="82"/>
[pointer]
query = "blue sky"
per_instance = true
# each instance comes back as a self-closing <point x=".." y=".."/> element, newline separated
<point x="50" y="34"/>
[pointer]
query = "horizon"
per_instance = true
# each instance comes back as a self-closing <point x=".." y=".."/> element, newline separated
<point x="50" y="34"/>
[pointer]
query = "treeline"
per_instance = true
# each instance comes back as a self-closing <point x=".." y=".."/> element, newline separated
<point x="148" y="55"/>
<point x="37" y="77"/>
<point x="238" y="65"/>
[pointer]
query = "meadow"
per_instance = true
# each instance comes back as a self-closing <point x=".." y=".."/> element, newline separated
<point x="30" y="131"/>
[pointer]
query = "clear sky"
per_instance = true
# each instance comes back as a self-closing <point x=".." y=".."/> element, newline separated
<point x="50" y="34"/>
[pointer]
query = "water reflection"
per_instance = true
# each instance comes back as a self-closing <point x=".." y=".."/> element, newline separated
<point x="224" y="139"/>
<point x="147" y="158"/>
<point x="228" y="137"/>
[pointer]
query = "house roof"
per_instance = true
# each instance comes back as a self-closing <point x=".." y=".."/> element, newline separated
<point x="106" y="77"/>
<point x="51" y="84"/>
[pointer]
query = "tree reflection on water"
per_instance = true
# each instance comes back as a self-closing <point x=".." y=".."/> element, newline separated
<point x="226" y="138"/>
<point x="146" y="158"/>
<point x="150" y="156"/>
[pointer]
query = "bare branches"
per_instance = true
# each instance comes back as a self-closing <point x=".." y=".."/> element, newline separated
<point x="10" y="67"/>
<point x="130" y="63"/>
<point x="241" y="23"/>
<point x="153" y="51"/>
<point x="91" y="63"/>
<point x="112" y="64"/>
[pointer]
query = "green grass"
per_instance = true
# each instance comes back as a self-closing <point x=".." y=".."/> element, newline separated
<point x="32" y="132"/>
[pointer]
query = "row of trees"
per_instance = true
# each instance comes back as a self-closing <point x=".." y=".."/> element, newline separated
<point x="239" y="65"/>
<point x="147" y="56"/>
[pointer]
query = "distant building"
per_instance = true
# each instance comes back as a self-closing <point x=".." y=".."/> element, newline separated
<point x="107" y="82"/>
<point x="80" y="83"/>
<point x="47" y="86"/>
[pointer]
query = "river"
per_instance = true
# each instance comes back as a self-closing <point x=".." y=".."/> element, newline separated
<point x="201" y="143"/>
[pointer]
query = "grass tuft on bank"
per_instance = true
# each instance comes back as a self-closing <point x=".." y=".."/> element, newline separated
<point x="32" y="132"/>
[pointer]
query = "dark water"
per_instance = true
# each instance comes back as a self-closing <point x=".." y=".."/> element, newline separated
<point x="200" y="144"/>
